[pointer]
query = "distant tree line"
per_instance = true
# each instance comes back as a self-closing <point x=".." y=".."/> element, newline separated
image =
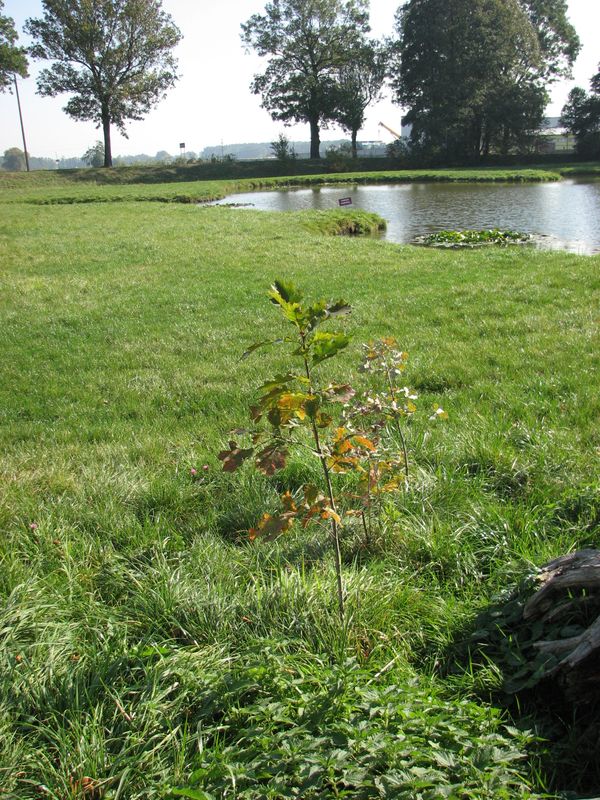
<point x="13" y="159"/>
<point x="472" y="75"/>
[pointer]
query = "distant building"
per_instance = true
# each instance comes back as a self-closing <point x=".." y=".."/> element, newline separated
<point x="553" y="138"/>
<point x="371" y="149"/>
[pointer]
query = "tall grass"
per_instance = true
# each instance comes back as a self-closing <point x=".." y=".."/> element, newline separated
<point x="141" y="637"/>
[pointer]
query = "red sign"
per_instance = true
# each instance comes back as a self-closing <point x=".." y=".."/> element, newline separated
<point x="345" y="201"/>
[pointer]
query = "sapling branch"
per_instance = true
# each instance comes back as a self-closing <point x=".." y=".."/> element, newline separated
<point x="351" y="442"/>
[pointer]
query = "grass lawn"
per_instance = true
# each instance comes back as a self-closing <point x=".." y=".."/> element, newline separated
<point x="137" y="183"/>
<point x="145" y="645"/>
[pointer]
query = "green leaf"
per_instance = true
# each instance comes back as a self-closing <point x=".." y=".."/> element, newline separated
<point x="327" y="345"/>
<point x="288" y="292"/>
<point x="193" y="794"/>
<point x="258" y="345"/>
<point x="279" y="381"/>
<point x="313" y="314"/>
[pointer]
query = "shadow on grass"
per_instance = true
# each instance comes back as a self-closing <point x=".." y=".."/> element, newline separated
<point x="497" y="659"/>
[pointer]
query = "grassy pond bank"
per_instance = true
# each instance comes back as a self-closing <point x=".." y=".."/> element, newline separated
<point x="147" y="648"/>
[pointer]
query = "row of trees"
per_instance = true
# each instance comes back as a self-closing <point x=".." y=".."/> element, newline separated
<point x="472" y="74"/>
<point x="13" y="159"/>
<point x="322" y="67"/>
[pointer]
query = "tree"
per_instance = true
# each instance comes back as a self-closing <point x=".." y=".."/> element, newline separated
<point x="557" y="38"/>
<point x="94" y="155"/>
<point x="359" y="84"/>
<point x="581" y="117"/>
<point x="283" y="149"/>
<point x="307" y="42"/>
<point x="12" y="58"/>
<point x="14" y="160"/>
<point x="114" y="56"/>
<point x="473" y="73"/>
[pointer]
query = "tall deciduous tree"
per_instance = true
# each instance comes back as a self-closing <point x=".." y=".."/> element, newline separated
<point x="114" y="56"/>
<point x="306" y="42"/>
<point x="473" y="73"/>
<point x="358" y="84"/>
<point x="13" y="60"/>
<point x="581" y="117"/>
<point x="557" y="38"/>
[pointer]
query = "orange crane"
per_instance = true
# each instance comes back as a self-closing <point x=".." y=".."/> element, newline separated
<point x="391" y="130"/>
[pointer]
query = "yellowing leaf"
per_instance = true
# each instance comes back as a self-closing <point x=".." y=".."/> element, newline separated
<point x="270" y="527"/>
<point x="362" y="441"/>
<point x="329" y="513"/>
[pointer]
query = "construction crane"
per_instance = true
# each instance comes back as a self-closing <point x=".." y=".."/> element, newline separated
<point x="391" y="130"/>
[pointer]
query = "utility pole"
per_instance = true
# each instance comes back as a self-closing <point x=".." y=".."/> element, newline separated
<point x="22" y="126"/>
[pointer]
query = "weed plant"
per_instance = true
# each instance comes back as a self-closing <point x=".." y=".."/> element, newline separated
<point x="470" y="238"/>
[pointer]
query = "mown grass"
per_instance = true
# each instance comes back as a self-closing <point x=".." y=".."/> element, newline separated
<point x="144" y="644"/>
<point x="590" y="168"/>
<point x="93" y="186"/>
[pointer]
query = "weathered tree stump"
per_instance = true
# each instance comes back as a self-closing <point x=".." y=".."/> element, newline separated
<point x="570" y="593"/>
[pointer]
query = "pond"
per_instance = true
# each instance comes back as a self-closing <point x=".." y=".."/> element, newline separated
<point x="562" y="216"/>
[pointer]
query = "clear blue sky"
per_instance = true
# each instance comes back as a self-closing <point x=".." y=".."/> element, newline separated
<point x="211" y="102"/>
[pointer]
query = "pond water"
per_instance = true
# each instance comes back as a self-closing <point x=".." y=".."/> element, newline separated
<point x="562" y="216"/>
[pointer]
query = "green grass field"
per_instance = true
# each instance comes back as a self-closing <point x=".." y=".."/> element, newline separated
<point x="145" y="646"/>
<point x="125" y="184"/>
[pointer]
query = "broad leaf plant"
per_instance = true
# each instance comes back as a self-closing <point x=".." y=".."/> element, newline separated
<point x="345" y="432"/>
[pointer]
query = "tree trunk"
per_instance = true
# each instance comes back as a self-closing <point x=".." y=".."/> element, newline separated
<point x="107" y="146"/>
<point x="354" y="147"/>
<point x="315" y="139"/>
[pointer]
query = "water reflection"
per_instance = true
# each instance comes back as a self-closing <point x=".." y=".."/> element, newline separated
<point x="564" y="215"/>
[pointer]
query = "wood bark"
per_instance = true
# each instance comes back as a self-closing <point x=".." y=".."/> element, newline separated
<point x="570" y="588"/>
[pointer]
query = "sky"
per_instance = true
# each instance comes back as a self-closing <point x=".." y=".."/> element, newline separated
<point x="212" y="104"/>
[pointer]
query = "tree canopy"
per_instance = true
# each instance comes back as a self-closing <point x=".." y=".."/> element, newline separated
<point x="358" y="84"/>
<point x="306" y="42"/>
<point x="581" y="117"/>
<point x="473" y="73"/>
<point x="94" y="155"/>
<point x="114" y="56"/>
<point x="13" y="160"/>
<point x="13" y="60"/>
